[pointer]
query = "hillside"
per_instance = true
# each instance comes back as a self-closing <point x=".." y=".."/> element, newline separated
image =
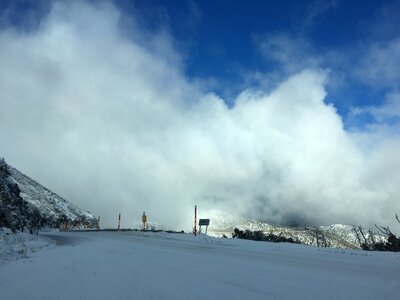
<point x="26" y="203"/>
<point x="332" y="236"/>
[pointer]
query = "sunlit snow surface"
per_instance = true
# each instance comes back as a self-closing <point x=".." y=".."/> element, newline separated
<point x="137" y="265"/>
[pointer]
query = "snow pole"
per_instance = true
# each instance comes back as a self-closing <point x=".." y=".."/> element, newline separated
<point x="195" y="220"/>
<point x="119" y="221"/>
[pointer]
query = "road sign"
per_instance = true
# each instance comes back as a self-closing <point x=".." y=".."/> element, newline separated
<point x="204" y="222"/>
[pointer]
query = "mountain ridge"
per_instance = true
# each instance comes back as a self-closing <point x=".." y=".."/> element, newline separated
<point x="26" y="203"/>
<point x="342" y="236"/>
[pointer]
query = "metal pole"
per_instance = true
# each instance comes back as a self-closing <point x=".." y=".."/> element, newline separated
<point x="195" y="220"/>
<point x="119" y="221"/>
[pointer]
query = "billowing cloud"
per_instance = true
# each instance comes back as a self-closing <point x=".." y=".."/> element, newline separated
<point x="106" y="117"/>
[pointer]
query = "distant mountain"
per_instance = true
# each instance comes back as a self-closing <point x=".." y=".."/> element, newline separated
<point x="26" y="203"/>
<point x="332" y="236"/>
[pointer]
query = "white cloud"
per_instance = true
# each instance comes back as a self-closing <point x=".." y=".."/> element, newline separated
<point x="379" y="64"/>
<point x="111" y="123"/>
<point x="318" y="8"/>
<point x="388" y="112"/>
<point x="292" y="53"/>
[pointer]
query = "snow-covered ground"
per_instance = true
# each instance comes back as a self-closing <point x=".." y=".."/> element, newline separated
<point x="137" y="265"/>
<point x="20" y="245"/>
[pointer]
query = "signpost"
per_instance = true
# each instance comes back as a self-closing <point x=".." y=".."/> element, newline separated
<point x="204" y="222"/>
<point x="195" y="220"/>
<point x="144" y="220"/>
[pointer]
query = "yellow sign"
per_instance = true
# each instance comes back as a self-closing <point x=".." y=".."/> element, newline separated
<point x="144" y="218"/>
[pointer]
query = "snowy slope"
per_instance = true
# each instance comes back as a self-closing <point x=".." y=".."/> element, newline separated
<point x="52" y="208"/>
<point x="20" y="244"/>
<point x="336" y="236"/>
<point x="136" y="265"/>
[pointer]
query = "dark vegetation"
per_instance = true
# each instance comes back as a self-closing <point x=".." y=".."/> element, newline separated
<point x="63" y="222"/>
<point x="261" y="236"/>
<point x="125" y="229"/>
<point x="367" y="241"/>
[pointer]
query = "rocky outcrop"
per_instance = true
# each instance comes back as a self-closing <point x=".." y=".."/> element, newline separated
<point x="24" y="203"/>
<point x="15" y="212"/>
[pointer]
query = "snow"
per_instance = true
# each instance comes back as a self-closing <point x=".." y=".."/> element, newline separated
<point x="21" y="244"/>
<point x="336" y="235"/>
<point x="50" y="205"/>
<point x="139" y="265"/>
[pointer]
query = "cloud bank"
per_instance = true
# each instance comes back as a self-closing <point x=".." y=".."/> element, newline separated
<point x="107" y="118"/>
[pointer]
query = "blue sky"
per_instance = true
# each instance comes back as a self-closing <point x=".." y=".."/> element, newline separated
<point x="221" y="42"/>
<point x="280" y="110"/>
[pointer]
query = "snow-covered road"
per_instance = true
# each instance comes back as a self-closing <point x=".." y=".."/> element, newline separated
<point x="136" y="265"/>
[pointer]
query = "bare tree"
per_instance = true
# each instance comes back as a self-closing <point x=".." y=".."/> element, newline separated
<point x="316" y="236"/>
<point x="320" y="238"/>
<point x="393" y="242"/>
